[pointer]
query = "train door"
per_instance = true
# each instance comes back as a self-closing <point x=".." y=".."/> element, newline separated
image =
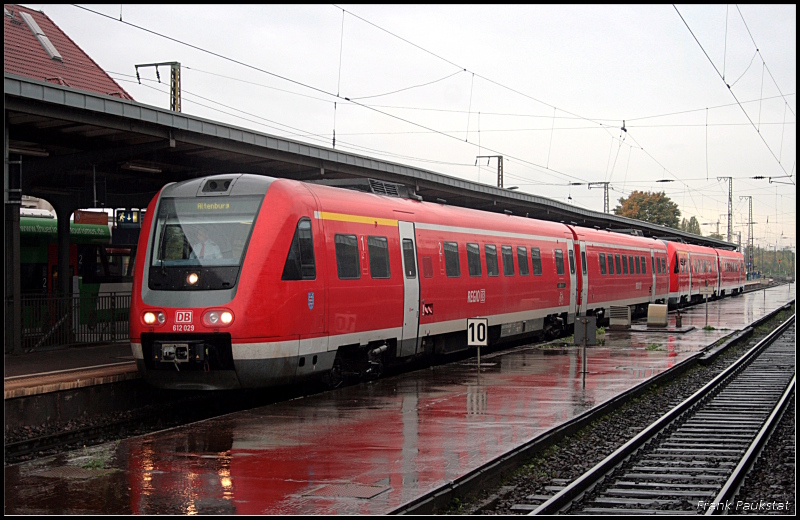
<point x="408" y="246"/>
<point x="573" y="287"/>
<point x="689" y="269"/>
<point x="584" y="279"/>
<point x="653" y="270"/>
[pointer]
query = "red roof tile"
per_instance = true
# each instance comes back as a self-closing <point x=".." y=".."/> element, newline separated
<point x="24" y="55"/>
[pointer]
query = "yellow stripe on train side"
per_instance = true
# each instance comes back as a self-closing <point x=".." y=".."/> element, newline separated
<point x="342" y="217"/>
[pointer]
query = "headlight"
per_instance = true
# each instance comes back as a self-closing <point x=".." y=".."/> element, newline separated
<point x="217" y="318"/>
<point x="151" y="317"/>
<point x="192" y="278"/>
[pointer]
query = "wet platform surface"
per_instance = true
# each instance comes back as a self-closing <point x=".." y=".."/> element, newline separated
<point x="370" y="448"/>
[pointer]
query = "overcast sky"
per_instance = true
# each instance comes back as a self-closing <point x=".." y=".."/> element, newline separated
<point x="546" y="87"/>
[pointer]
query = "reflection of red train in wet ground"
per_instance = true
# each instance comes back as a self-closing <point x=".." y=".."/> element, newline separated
<point x="370" y="449"/>
<point x="248" y="281"/>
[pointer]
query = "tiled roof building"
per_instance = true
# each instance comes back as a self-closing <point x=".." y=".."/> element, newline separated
<point x="34" y="47"/>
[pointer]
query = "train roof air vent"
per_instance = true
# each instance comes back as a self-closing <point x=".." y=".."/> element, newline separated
<point x="390" y="189"/>
<point x="385" y="188"/>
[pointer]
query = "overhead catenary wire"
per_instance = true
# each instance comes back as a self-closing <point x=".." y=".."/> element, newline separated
<point x="542" y="168"/>
<point x="552" y="129"/>
<point x="730" y="90"/>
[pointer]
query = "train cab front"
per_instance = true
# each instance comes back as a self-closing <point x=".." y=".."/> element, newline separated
<point x="184" y="307"/>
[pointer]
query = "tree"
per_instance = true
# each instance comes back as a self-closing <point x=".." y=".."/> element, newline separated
<point x="691" y="226"/>
<point x="650" y="207"/>
<point x="716" y="236"/>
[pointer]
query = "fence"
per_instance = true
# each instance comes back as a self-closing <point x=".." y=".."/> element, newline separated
<point x="49" y="321"/>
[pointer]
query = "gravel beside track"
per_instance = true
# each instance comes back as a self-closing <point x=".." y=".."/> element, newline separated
<point x="558" y="465"/>
<point x="772" y="479"/>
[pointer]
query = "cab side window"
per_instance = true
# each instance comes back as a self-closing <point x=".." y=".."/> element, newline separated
<point x="300" y="263"/>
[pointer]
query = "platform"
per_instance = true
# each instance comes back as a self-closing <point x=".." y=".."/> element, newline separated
<point x="369" y="448"/>
<point x="35" y="373"/>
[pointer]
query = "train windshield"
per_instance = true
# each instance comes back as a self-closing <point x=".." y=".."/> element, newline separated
<point x="203" y="232"/>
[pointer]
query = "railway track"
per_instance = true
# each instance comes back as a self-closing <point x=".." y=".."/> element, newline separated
<point x="693" y="459"/>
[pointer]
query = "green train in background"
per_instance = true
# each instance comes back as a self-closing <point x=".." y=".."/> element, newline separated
<point x="100" y="271"/>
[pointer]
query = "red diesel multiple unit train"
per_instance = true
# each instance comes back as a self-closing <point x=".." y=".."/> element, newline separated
<point x="693" y="267"/>
<point x="247" y="281"/>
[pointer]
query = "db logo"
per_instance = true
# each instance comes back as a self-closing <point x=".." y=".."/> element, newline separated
<point x="183" y="316"/>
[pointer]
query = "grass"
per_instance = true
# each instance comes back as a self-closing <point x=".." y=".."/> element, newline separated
<point x="95" y="464"/>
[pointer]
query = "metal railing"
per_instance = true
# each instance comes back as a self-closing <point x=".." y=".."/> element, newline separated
<point x="50" y="320"/>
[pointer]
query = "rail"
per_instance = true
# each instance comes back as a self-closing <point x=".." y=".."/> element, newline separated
<point x="563" y="500"/>
<point x="51" y="321"/>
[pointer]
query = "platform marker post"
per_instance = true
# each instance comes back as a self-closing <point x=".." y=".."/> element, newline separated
<point x="477" y="335"/>
<point x="705" y="290"/>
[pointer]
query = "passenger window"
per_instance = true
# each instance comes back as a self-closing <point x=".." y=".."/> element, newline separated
<point x="559" y="261"/>
<point x="536" y="261"/>
<point x="630" y="262"/>
<point x="347" y="263"/>
<point x="508" y="261"/>
<point x="378" y="257"/>
<point x="571" y="261"/>
<point x="602" y="263"/>
<point x="474" y="259"/>
<point x="451" y="262"/>
<point x="522" y="260"/>
<point x="491" y="260"/>
<point x="644" y="264"/>
<point x="583" y="261"/>
<point x="619" y="265"/>
<point x="300" y="263"/>
<point x="625" y="264"/>
<point x="409" y="258"/>
<point x="635" y="261"/>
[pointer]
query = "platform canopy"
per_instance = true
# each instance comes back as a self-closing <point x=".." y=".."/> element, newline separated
<point x="99" y="150"/>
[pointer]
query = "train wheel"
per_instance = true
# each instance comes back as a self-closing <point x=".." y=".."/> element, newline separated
<point x="374" y="370"/>
<point x="335" y="377"/>
<point x="551" y="332"/>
